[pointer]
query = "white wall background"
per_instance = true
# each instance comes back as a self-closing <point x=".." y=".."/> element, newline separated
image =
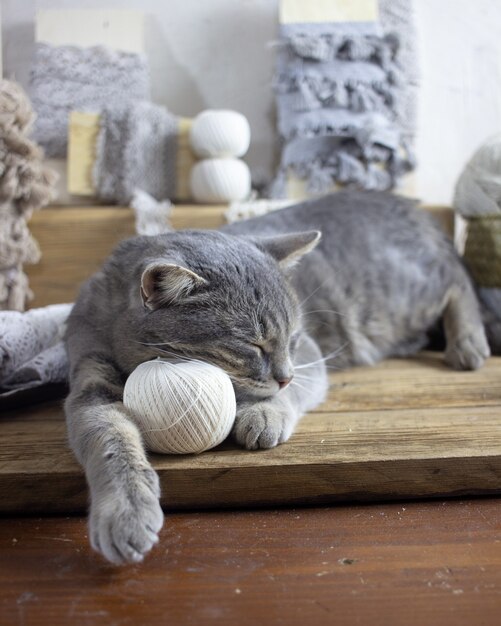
<point x="216" y="53"/>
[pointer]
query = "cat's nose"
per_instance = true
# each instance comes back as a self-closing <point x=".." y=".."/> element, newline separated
<point x="283" y="382"/>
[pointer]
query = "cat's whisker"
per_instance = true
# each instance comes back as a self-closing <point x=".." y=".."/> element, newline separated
<point x="181" y="357"/>
<point x="327" y="357"/>
<point x="304" y="314"/>
<point x="314" y="292"/>
<point x="160" y="343"/>
<point x="296" y="384"/>
<point x="301" y="377"/>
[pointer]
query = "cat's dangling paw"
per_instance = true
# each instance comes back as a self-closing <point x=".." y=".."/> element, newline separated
<point x="262" y="425"/>
<point x="469" y="351"/>
<point x="124" y="521"/>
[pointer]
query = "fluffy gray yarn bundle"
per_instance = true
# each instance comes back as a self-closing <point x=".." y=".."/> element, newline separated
<point x="70" y="78"/>
<point x="346" y="101"/>
<point x="136" y="149"/>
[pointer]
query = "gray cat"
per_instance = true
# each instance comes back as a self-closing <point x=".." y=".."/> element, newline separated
<point x="377" y="274"/>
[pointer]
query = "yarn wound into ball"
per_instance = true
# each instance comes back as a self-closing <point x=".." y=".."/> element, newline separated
<point x="220" y="180"/>
<point x="220" y="133"/>
<point x="181" y="407"/>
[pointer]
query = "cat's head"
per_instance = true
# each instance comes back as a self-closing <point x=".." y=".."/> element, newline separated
<point x="227" y="300"/>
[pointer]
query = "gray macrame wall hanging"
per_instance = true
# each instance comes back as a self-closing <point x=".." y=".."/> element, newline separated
<point x="346" y="101"/>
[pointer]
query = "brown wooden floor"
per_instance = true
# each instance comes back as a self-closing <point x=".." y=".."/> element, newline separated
<point x="412" y="563"/>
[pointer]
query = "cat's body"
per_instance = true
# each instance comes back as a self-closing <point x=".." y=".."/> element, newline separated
<point x="380" y="277"/>
<point x="377" y="281"/>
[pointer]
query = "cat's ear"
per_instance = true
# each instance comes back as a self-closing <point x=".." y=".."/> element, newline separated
<point x="167" y="283"/>
<point x="288" y="249"/>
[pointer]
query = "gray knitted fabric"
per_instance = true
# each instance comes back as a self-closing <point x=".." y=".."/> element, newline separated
<point x="136" y="149"/>
<point x="31" y="347"/>
<point x="343" y="103"/>
<point x="69" y="78"/>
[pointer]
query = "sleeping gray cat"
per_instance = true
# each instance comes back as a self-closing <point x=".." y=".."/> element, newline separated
<point x="370" y="286"/>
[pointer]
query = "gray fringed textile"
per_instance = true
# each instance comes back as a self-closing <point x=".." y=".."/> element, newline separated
<point x="69" y="78"/>
<point x="136" y="149"/>
<point x="344" y="101"/>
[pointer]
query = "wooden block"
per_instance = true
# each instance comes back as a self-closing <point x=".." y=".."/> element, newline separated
<point x="185" y="160"/>
<point x="117" y="29"/>
<point x="76" y="241"/>
<point x="82" y="137"/>
<point x="444" y="215"/>
<point x="314" y="11"/>
<point x="82" y="140"/>
<point x="297" y="188"/>
<point x="407" y="428"/>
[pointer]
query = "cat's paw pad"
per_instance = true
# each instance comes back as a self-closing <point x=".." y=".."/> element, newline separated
<point x="468" y="352"/>
<point x="124" y="523"/>
<point x="262" y="425"/>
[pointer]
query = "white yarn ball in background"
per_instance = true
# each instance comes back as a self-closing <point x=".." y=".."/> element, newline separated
<point x="180" y="408"/>
<point x="220" y="134"/>
<point x="220" y="180"/>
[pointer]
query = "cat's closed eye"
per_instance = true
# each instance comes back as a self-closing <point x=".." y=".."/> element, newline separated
<point x="260" y="349"/>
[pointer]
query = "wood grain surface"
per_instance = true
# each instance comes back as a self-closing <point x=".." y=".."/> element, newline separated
<point x="418" y="564"/>
<point x="406" y="428"/>
<point x="76" y="241"/>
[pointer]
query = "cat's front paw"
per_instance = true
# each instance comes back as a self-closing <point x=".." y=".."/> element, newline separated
<point x="262" y="425"/>
<point x="124" y="522"/>
<point x="469" y="351"/>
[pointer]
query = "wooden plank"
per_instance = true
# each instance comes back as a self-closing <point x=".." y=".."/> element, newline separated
<point x="82" y="138"/>
<point x="116" y="28"/>
<point x="360" y="445"/>
<point x="185" y="160"/>
<point x="417" y="563"/>
<point x="76" y="241"/>
<point x="315" y="11"/>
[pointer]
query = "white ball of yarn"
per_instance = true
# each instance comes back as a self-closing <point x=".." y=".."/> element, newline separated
<point x="220" y="134"/>
<point x="220" y="180"/>
<point x="180" y="408"/>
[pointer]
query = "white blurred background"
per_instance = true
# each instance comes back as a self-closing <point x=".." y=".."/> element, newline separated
<point x="217" y="54"/>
